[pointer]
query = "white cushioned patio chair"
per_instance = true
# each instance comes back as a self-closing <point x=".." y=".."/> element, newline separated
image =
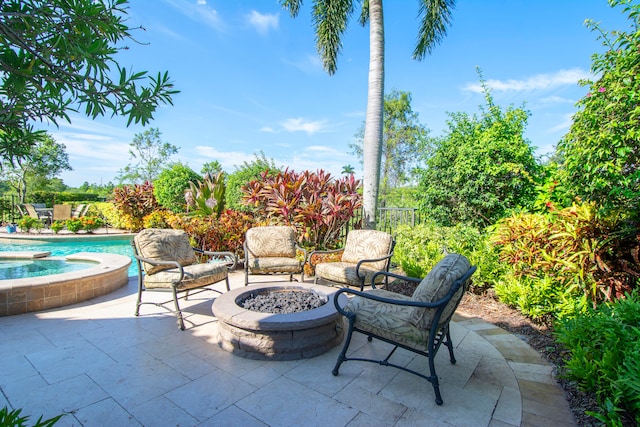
<point x="272" y="249"/>
<point x="170" y="264"/>
<point x="365" y="253"/>
<point x="419" y="323"/>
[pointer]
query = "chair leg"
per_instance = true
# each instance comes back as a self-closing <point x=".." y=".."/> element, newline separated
<point x="139" y="300"/>
<point x="342" y="356"/>
<point x="178" y="312"/>
<point x="226" y="279"/>
<point x="449" y="344"/>
<point x="434" y="379"/>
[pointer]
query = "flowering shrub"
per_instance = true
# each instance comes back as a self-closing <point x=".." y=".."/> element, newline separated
<point x="90" y="223"/>
<point x="315" y="203"/>
<point x="27" y="223"/>
<point x="56" y="226"/>
<point x="74" y="225"/>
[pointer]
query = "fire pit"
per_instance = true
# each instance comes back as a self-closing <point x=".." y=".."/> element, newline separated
<point x="277" y="336"/>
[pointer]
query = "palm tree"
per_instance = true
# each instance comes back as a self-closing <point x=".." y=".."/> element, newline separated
<point x="330" y="18"/>
<point x="348" y="170"/>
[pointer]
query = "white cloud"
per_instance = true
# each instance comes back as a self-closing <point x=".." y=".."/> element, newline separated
<point x="537" y="82"/>
<point x="557" y="100"/>
<point x="263" y="22"/>
<point x="267" y="129"/>
<point x="228" y="159"/>
<point x="199" y="11"/>
<point x="300" y="124"/>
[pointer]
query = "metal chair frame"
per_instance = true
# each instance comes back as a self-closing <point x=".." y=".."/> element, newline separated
<point x="175" y="292"/>
<point x="438" y="334"/>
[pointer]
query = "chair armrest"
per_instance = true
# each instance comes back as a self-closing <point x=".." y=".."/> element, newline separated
<point x="156" y="262"/>
<point x="330" y="251"/>
<point x="437" y="304"/>
<point x="229" y="257"/>
<point x="388" y="274"/>
<point x="362" y="261"/>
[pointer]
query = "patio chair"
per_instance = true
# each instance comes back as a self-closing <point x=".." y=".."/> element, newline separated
<point x="61" y="212"/>
<point x="365" y="253"/>
<point x="419" y="324"/>
<point x="272" y="249"/>
<point x="170" y="264"/>
<point x="79" y="211"/>
<point x="41" y="213"/>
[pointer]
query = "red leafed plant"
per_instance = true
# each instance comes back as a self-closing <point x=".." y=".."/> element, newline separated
<point x="318" y="205"/>
<point x="135" y="202"/>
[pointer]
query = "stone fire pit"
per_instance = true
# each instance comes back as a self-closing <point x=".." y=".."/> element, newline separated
<point x="269" y="336"/>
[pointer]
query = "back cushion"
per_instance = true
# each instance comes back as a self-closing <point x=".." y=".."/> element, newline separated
<point x="367" y="244"/>
<point x="271" y="241"/>
<point x="161" y="244"/>
<point x="436" y="285"/>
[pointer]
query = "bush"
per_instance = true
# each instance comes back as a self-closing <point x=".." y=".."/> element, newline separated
<point x="224" y="233"/>
<point x="27" y="223"/>
<point x="133" y="203"/>
<point x="604" y="345"/>
<point x="566" y="255"/>
<point x="171" y="185"/>
<point x="315" y="203"/>
<point x="419" y="248"/>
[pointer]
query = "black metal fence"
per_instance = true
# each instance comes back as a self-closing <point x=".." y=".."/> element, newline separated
<point x="388" y="219"/>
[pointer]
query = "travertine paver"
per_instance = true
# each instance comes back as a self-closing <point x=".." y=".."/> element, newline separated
<point x="118" y="369"/>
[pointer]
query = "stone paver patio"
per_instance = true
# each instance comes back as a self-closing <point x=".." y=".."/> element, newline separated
<point x="102" y="366"/>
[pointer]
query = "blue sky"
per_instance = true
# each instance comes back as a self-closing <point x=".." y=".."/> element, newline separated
<point x="251" y="80"/>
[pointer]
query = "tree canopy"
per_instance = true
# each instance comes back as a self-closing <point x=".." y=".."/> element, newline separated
<point x="404" y="142"/>
<point x="58" y="56"/>
<point x="481" y="168"/>
<point x="601" y="152"/>
<point x="152" y="156"/>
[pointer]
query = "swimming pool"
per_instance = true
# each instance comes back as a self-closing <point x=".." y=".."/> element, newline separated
<point x="64" y="247"/>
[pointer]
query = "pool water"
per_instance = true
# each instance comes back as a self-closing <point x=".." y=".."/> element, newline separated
<point x="10" y="269"/>
<point x="61" y="249"/>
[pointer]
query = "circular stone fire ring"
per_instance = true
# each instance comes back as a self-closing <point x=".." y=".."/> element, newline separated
<point x="268" y="336"/>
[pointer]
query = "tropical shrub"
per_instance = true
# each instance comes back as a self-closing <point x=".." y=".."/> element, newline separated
<point x="224" y="233"/>
<point x="133" y="203"/>
<point x="111" y="215"/>
<point x="604" y="345"/>
<point x="564" y="261"/>
<point x="207" y="197"/>
<point x="247" y="172"/>
<point x="157" y="219"/>
<point x="602" y="158"/>
<point x="420" y="247"/>
<point x="171" y="184"/>
<point x="14" y="418"/>
<point x="315" y="203"/>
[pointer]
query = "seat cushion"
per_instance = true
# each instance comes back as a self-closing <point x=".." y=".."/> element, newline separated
<point x="161" y="244"/>
<point x="387" y="320"/>
<point x="271" y="241"/>
<point x="195" y="276"/>
<point x="345" y="273"/>
<point x="436" y="285"/>
<point x="274" y="265"/>
<point x="367" y="244"/>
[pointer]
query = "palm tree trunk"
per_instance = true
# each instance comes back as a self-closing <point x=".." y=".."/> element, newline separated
<point x="374" y="119"/>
